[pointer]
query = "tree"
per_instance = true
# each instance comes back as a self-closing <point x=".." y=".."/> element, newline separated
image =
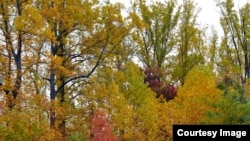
<point x="234" y="47"/>
<point x="13" y="46"/>
<point x="233" y="100"/>
<point x="190" y="42"/>
<point x="154" y="37"/>
<point x="26" y="121"/>
<point x="196" y="97"/>
<point x="154" y="31"/>
<point x="78" y="37"/>
<point x="153" y="79"/>
<point x="100" y="128"/>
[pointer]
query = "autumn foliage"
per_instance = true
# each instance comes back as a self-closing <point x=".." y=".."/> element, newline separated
<point x="80" y="70"/>
<point x="153" y="78"/>
<point x="100" y="127"/>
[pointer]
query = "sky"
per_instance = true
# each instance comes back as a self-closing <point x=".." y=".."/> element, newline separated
<point x="209" y="15"/>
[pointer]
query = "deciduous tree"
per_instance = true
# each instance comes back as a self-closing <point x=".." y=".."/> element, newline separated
<point x="190" y="42"/>
<point x="234" y="48"/>
<point x="196" y="97"/>
<point x="154" y="32"/>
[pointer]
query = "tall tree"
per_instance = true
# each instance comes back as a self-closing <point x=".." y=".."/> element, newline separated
<point x="235" y="42"/>
<point x="213" y="49"/>
<point x="13" y="44"/>
<point x="154" y="31"/>
<point x="154" y="37"/>
<point x="190" y="41"/>
<point x="79" y="35"/>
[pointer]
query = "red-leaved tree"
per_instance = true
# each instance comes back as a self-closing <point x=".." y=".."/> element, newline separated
<point x="100" y="128"/>
<point x="153" y="79"/>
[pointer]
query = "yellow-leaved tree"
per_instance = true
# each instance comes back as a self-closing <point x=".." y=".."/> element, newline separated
<point x="50" y="48"/>
<point x="195" y="98"/>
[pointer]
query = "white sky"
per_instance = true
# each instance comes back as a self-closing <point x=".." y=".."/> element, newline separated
<point x="209" y="14"/>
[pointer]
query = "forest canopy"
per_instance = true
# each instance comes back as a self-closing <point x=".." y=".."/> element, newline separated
<point x="94" y="70"/>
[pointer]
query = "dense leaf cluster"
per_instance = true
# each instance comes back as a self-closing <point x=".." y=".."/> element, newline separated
<point x="153" y="80"/>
